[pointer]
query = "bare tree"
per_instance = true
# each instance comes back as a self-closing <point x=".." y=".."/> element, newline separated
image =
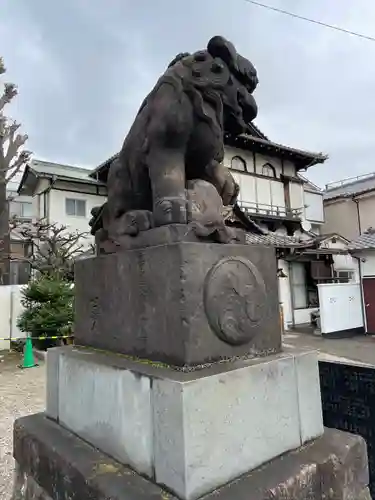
<point x="12" y="158"/>
<point x="54" y="248"/>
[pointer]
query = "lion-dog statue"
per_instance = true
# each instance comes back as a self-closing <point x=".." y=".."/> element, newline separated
<point x="170" y="170"/>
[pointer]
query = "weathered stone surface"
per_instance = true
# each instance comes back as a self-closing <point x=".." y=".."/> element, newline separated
<point x="163" y="235"/>
<point x="52" y="395"/>
<point x="108" y="407"/>
<point x="184" y="303"/>
<point x="174" y="427"/>
<point x="176" y="140"/>
<point x="309" y="399"/>
<point x="64" y="466"/>
<point x="213" y="429"/>
<point x="365" y="495"/>
<point x="26" y="488"/>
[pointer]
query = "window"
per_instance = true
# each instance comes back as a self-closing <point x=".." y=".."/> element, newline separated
<point x="75" y="207"/>
<point x="344" y="276"/>
<point x="26" y="209"/>
<point x="268" y="170"/>
<point x="299" y="288"/>
<point x="238" y="163"/>
<point x="21" y="209"/>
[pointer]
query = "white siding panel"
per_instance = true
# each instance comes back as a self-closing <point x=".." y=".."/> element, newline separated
<point x="296" y="195"/>
<point x="263" y="193"/>
<point x="314" y="206"/>
<point x="277" y="193"/>
<point x="248" y="188"/>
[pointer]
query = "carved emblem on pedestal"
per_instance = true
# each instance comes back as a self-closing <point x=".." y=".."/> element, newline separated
<point x="235" y="300"/>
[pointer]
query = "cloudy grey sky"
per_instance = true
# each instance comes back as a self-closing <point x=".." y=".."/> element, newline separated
<point x="84" y="66"/>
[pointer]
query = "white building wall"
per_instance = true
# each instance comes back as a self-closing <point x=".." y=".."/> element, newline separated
<point x="313" y="203"/>
<point x="247" y="156"/>
<point x="289" y="168"/>
<point x="57" y="211"/>
<point x="260" y="160"/>
<point x="262" y="194"/>
<point x="342" y="262"/>
<point x="10" y="310"/>
<point x="266" y="194"/>
<point x="248" y="187"/>
<point x="296" y="196"/>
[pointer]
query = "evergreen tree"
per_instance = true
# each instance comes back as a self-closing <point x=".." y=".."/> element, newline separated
<point x="48" y="303"/>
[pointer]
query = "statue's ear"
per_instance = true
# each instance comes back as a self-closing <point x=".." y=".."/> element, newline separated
<point x="218" y="46"/>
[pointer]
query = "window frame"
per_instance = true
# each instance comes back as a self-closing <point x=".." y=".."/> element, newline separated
<point x="29" y="204"/>
<point x="242" y="161"/>
<point x="272" y="168"/>
<point x="349" y="278"/>
<point x="76" y="202"/>
<point x="298" y="286"/>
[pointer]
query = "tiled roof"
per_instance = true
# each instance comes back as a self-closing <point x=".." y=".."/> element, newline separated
<point x="256" y="132"/>
<point x="56" y="169"/>
<point x="278" y="240"/>
<point x="364" y="241"/>
<point x="309" y="185"/>
<point x="48" y="170"/>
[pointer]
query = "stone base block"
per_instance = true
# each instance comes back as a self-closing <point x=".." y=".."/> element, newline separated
<point x="190" y="431"/>
<point x="52" y="464"/>
<point x="182" y="303"/>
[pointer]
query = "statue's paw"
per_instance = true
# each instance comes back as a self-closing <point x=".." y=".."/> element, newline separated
<point x="133" y="222"/>
<point x="170" y="211"/>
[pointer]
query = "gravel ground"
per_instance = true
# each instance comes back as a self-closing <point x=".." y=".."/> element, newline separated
<point x="21" y="392"/>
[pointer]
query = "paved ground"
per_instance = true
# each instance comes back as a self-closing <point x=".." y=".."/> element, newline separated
<point x="21" y="392"/>
<point x="359" y="348"/>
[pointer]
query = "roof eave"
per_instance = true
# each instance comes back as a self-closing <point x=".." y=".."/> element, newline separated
<point x="305" y="159"/>
<point x="362" y="249"/>
<point x="25" y="176"/>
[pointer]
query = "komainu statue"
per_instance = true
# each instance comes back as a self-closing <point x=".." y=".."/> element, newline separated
<point x="170" y="169"/>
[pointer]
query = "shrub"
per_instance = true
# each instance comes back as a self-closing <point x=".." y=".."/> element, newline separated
<point x="48" y="303"/>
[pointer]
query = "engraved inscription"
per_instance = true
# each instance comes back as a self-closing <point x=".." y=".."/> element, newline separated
<point x="235" y="300"/>
<point x="94" y="311"/>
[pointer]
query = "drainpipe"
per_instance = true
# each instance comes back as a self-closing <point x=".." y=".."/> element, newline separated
<point x="52" y="181"/>
<point x="358" y="215"/>
<point x="291" y="292"/>
<point x="361" y="292"/>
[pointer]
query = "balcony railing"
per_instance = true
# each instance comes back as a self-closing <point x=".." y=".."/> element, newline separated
<point x="349" y="180"/>
<point x="251" y="207"/>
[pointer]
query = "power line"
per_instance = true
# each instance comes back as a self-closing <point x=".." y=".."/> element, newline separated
<point x="314" y="21"/>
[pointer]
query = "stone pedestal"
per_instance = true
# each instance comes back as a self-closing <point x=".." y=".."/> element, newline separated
<point x="194" y="431"/>
<point x="52" y="463"/>
<point x="182" y="303"/>
<point x="179" y="389"/>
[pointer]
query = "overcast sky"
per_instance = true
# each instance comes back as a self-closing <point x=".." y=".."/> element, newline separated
<point x="84" y="66"/>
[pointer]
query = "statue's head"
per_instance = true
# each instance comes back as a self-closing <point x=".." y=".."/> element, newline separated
<point x="222" y="70"/>
<point x="239" y="104"/>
